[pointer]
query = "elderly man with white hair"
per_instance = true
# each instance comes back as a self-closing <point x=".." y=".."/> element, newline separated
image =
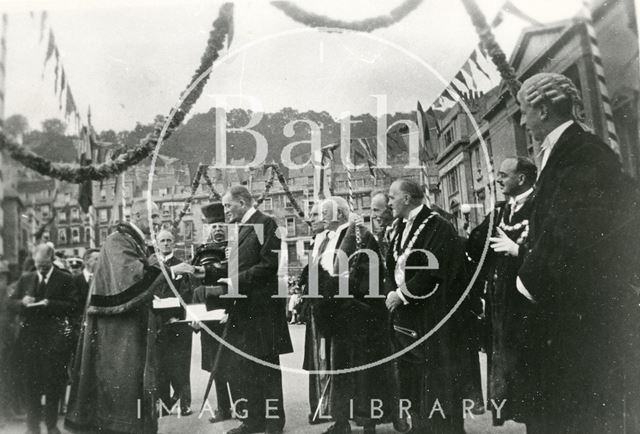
<point x="352" y="318"/>
<point x="583" y="342"/>
<point x="114" y="377"/>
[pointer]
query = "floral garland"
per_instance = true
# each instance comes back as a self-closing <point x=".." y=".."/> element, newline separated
<point x="367" y="25"/>
<point x="492" y="47"/>
<point x="222" y="28"/>
<point x="187" y="203"/>
<point x="287" y="191"/>
<point x="267" y="186"/>
<point x="214" y="195"/>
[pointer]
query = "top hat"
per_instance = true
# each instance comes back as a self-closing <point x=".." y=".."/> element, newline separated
<point x="213" y="212"/>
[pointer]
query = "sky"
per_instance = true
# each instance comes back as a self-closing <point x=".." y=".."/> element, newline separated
<point x="129" y="61"/>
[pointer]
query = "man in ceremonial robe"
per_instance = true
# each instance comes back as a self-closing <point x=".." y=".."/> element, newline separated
<point x="507" y="311"/>
<point x="114" y="379"/>
<point x="45" y="299"/>
<point x="579" y="271"/>
<point x="355" y="323"/>
<point x="257" y="322"/>
<point x="82" y="281"/>
<point x="425" y="279"/>
<point x="174" y="337"/>
<point x="314" y="344"/>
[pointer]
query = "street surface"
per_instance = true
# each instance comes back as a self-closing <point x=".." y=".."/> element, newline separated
<point x="296" y="405"/>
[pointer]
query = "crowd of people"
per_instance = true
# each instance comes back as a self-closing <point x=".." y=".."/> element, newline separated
<point x="546" y="285"/>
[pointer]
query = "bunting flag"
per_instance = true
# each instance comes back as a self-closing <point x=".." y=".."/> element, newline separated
<point x="512" y="9"/>
<point x="50" y="50"/>
<point x="435" y="120"/>
<point x="43" y="22"/>
<point x="474" y="59"/>
<point x="56" y="72"/>
<point x="70" y="107"/>
<point x="63" y="85"/>
<point x="369" y="156"/>
<point x="467" y="73"/>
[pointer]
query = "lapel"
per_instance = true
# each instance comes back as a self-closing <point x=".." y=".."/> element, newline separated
<point x="423" y="214"/>
<point x="346" y="243"/>
<point x="562" y="147"/>
<point x="50" y="283"/>
<point x="246" y="230"/>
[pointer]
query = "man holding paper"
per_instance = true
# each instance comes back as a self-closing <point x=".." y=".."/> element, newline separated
<point x="45" y="299"/>
<point x="174" y="337"/>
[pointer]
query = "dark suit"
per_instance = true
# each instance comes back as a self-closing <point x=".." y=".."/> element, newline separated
<point x="174" y="346"/>
<point x="356" y="329"/>
<point x="45" y="341"/>
<point x="439" y="369"/>
<point x="584" y="335"/>
<point x="257" y="324"/>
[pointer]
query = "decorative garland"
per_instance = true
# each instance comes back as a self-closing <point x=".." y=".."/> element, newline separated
<point x="287" y="191"/>
<point x="222" y="28"/>
<point x="213" y="195"/>
<point x="367" y="25"/>
<point x="267" y="186"/>
<point x="524" y="225"/>
<point x="187" y="203"/>
<point x="492" y="47"/>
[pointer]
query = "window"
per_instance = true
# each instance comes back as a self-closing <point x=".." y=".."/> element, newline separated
<point x="87" y="235"/>
<point x="104" y="233"/>
<point x="75" y="235"/>
<point x="359" y="182"/>
<point x="291" y="226"/>
<point x="163" y="191"/>
<point x="103" y="215"/>
<point x="188" y="230"/>
<point x="166" y="210"/>
<point x="268" y="204"/>
<point x="448" y="136"/>
<point x="309" y="181"/>
<point x="62" y="236"/>
<point x="75" y="214"/>
<point x="45" y="211"/>
<point x="452" y="181"/>
<point x="103" y="194"/>
<point x="62" y="215"/>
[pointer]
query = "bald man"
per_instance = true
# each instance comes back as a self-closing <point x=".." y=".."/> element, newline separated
<point x="45" y="299"/>
<point x="114" y="383"/>
<point x="578" y="272"/>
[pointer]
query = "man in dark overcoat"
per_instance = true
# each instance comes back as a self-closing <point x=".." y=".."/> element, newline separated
<point x="578" y="272"/>
<point x="45" y="299"/>
<point x="257" y="322"/>
<point x="425" y="280"/>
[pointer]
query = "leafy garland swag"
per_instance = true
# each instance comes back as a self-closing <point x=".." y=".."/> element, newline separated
<point x="367" y="25"/>
<point x="222" y="28"/>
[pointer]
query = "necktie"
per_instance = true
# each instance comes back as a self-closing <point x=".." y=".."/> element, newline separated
<point x="41" y="289"/>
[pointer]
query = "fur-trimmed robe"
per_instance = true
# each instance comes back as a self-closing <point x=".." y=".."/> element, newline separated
<point x="114" y="375"/>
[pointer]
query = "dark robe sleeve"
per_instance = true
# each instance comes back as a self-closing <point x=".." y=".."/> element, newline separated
<point x="252" y="279"/>
<point x="576" y="224"/>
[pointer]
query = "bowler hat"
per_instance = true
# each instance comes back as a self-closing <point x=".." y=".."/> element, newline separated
<point x="213" y="212"/>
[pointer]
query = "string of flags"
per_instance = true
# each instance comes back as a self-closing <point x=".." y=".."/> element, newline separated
<point x="61" y="87"/>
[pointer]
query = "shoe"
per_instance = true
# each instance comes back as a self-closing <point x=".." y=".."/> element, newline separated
<point x="53" y="430"/>
<point x="401" y="425"/>
<point x="186" y="412"/>
<point x="219" y="416"/>
<point x="245" y="429"/>
<point x="369" y="429"/>
<point x="339" y="428"/>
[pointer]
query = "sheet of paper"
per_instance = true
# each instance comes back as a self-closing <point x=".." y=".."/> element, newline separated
<point x="199" y="312"/>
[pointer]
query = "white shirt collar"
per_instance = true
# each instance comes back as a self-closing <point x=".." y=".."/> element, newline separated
<point x="165" y="258"/>
<point x="521" y="197"/>
<point x="46" y="278"/>
<point x="413" y="214"/>
<point x="247" y="215"/>
<point x="86" y="274"/>
<point x="552" y="138"/>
